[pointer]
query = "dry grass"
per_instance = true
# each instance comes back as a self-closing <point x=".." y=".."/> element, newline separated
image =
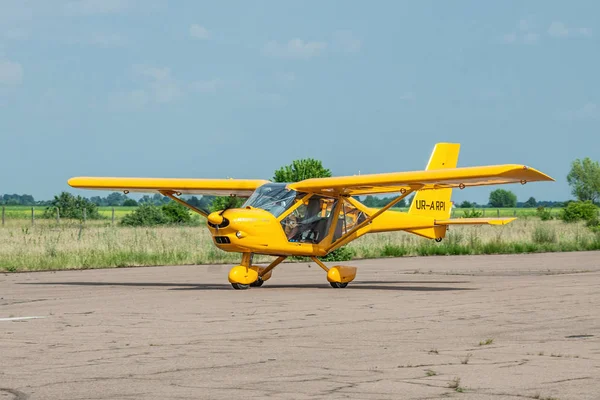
<point x="49" y="246"/>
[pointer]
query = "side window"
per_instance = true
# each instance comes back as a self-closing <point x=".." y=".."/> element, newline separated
<point x="310" y="222"/>
<point x="348" y="218"/>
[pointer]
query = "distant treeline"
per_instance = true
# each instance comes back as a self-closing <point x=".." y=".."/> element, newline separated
<point x="114" y="199"/>
<point x="117" y="199"/>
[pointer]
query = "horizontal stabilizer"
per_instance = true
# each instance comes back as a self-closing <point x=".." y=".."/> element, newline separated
<point x="475" y="221"/>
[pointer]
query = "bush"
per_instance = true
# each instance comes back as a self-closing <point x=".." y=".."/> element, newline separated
<point x="544" y="214"/>
<point x="579" y="210"/>
<point x="151" y="215"/>
<point x="176" y="213"/>
<point x="130" y="203"/>
<point x="145" y="215"/>
<point x="473" y="213"/>
<point x="543" y="234"/>
<point x="344" y="253"/>
<point x="70" y="206"/>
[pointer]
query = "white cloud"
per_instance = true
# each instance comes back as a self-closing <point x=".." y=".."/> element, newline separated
<point x="524" y="25"/>
<point x="95" y="7"/>
<point x="199" y="32"/>
<point x="531" y="38"/>
<point x="509" y="38"/>
<point x="11" y="73"/>
<point x="295" y="48"/>
<point x="588" y="111"/>
<point x="134" y="99"/>
<point x="523" y="34"/>
<point x="285" y="78"/>
<point x="209" y="86"/>
<point x="160" y="86"/>
<point x="560" y="29"/>
<point x="346" y="42"/>
<point x="407" y="96"/>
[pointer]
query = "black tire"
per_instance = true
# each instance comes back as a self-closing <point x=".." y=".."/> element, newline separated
<point x="239" y="286"/>
<point x="257" y="283"/>
<point x="338" y="285"/>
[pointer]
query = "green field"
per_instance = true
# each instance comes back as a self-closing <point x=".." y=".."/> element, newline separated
<point x="24" y="212"/>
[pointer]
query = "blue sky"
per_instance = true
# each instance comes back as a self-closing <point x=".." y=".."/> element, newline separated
<point x="237" y="89"/>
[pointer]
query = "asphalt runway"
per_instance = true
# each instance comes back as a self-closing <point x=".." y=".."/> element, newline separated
<point x="407" y="328"/>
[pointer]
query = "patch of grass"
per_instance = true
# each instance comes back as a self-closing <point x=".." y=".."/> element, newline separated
<point x="98" y="244"/>
<point x="455" y="384"/>
<point x="486" y="342"/>
<point x="433" y="351"/>
<point x="466" y="359"/>
<point x="543" y="234"/>
<point x="430" y="372"/>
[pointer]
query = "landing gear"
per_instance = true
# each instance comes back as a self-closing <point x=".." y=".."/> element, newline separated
<point x="247" y="275"/>
<point x="239" y="286"/>
<point x="257" y="283"/>
<point x="338" y="276"/>
<point x="338" y="285"/>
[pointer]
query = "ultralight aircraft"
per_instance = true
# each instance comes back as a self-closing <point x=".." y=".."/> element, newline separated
<point x="315" y="216"/>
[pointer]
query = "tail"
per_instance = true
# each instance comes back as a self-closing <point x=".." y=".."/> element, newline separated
<point x="435" y="203"/>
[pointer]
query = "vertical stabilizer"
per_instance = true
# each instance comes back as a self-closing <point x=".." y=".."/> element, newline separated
<point x="436" y="203"/>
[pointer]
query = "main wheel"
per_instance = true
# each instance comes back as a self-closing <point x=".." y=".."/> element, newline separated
<point x="257" y="283"/>
<point x="239" y="286"/>
<point x="338" y="285"/>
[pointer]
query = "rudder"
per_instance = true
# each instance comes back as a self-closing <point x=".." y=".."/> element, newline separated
<point x="436" y="203"/>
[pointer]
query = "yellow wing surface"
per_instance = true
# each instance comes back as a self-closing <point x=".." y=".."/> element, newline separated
<point x="421" y="180"/>
<point x="215" y="187"/>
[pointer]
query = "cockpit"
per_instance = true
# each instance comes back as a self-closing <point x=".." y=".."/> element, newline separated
<point x="272" y="197"/>
<point x="310" y="220"/>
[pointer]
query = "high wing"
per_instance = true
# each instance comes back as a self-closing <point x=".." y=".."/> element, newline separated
<point x="421" y="180"/>
<point x="215" y="187"/>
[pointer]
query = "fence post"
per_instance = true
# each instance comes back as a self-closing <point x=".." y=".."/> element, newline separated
<point x="32" y="216"/>
<point x="484" y="212"/>
<point x="84" y="215"/>
<point x="3" y="214"/>
<point x="498" y="212"/>
<point x="57" y="215"/>
<point x="514" y="213"/>
<point x="113" y="215"/>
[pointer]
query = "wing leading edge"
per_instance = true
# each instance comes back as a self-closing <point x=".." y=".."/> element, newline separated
<point x="215" y="187"/>
<point x="422" y="180"/>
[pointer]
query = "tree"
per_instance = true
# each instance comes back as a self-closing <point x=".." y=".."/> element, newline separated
<point x="531" y="203"/>
<point x="130" y="203"/>
<point x="503" y="198"/>
<point x="115" y="199"/>
<point x="466" y="204"/>
<point x="177" y="213"/>
<point x="302" y="169"/>
<point x="152" y="215"/>
<point x="584" y="179"/>
<point x="224" y="202"/>
<point x="70" y="206"/>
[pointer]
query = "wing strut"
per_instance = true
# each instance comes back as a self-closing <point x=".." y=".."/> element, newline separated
<point x="171" y="194"/>
<point x="346" y="238"/>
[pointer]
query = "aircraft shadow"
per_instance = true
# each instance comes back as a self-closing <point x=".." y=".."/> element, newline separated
<point x="358" y="285"/>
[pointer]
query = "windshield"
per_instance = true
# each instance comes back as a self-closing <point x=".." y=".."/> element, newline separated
<point x="272" y="197"/>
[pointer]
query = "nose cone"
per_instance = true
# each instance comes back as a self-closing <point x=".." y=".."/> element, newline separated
<point x="215" y="218"/>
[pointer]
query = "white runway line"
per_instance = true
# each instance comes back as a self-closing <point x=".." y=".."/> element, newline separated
<point x="19" y="318"/>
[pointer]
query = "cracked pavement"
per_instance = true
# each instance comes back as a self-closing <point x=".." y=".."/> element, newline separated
<point x="406" y="328"/>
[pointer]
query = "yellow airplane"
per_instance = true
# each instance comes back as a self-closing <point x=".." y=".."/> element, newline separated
<point x="316" y="216"/>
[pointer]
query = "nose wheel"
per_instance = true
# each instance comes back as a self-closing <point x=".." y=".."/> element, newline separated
<point x="338" y="285"/>
<point x="240" y="286"/>
<point x="257" y="283"/>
